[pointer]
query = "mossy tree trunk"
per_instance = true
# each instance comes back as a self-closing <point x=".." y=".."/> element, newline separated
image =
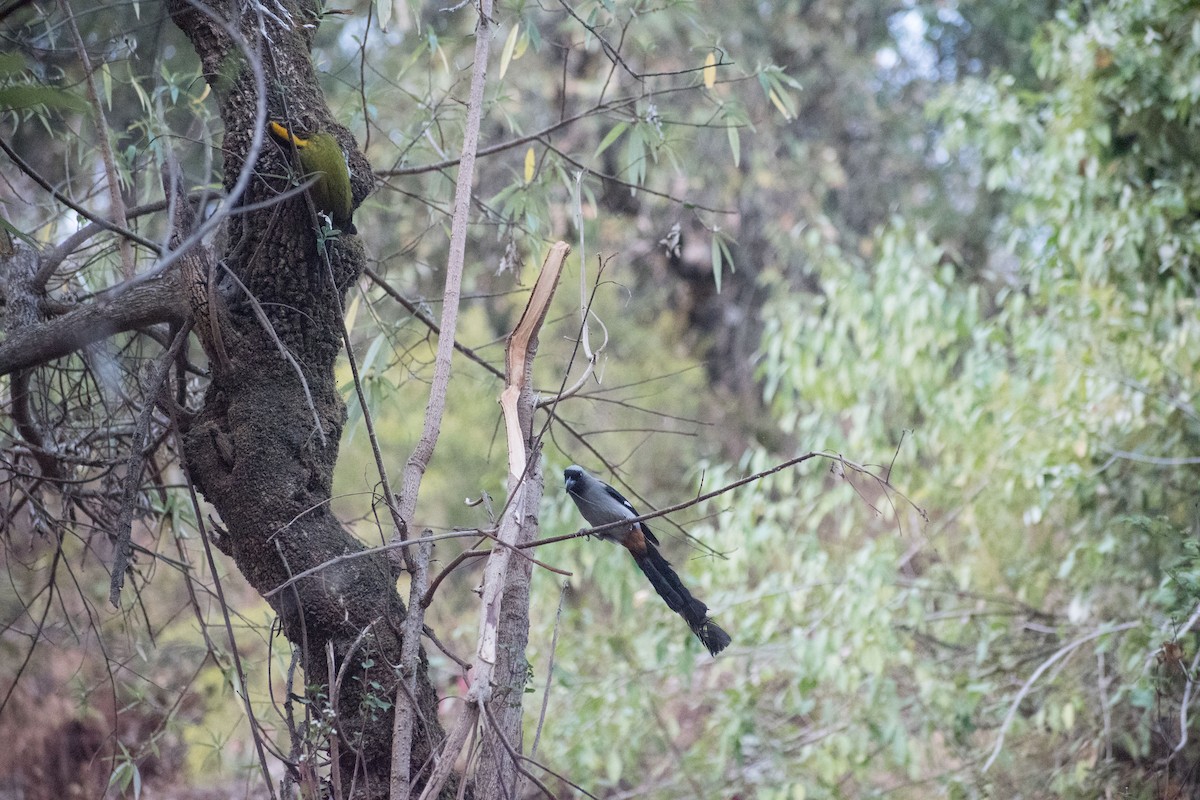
<point x="254" y="450"/>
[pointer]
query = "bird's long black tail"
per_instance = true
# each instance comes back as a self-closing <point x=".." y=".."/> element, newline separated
<point x="682" y="602"/>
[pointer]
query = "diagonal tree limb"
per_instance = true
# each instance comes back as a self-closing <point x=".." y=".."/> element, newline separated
<point x="152" y="301"/>
<point x="33" y="174"/>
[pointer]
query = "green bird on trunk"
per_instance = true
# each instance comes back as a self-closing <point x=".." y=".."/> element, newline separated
<point x="321" y="157"/>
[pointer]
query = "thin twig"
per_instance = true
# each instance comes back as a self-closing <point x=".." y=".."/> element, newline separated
<point x="401" y="531"/>
<point x="428" y="321"/>
<point x="133" y="469"/>
<point x="446" y="651"/>
<point x="406" y="708"/>
<point x="515" y="756"/>
<point x="418" y="461"/>
<point x="54" y="192"/>
<point x="1063" y="651"/>
<point x="473" y="553"/>
<point x="335" y="774"/>
<point x="51" y="586"/>
<point x="367" y="553"/>
<point x="613" y="53"/>
<point x="104" y="139"/>
<point x="791" y="462"/>
<point x="1187" y="694"/>
<point x="233" y="648"/>
<point x="537" y="735"/>
<point x="441" y="576"/>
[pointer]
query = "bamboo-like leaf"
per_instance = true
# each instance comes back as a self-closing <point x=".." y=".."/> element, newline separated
<point x="143" y="98"/>
<point x="530" y="163"/>
<point x="23" y="96"/>
<point x="368" y="362"/>
<point x="611" y="137"/>
<point x="106" y="84"/>
<point x="735" y="144"/>
<point x="523" y="42"/>
<point x="507" y="53"/>
<point x="716" y="261"/>
<point x="352" y="311"/>
<point x="501" y="197"/>
<point x="710" y="71"/>
<point x="590" y="27"/>
<point x="726" y="256"/>
<point x="383" y="12"/>
<point x="780" y="104"/>
<point x="635" y="157"/>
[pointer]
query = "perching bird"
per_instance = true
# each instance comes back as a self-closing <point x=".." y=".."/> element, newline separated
<point x="321" y="156"/>
<point x="601" y="504"/>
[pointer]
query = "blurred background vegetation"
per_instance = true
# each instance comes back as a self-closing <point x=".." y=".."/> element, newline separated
<point x="955" y="242"/>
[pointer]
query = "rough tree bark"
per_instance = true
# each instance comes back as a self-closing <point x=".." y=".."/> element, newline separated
<point x="254" y="450"/>
<point x="497" y="772"/>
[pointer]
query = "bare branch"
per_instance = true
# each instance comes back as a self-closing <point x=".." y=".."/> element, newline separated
<point x="33" y="174"/>
<point x="147" y="303"/>
<point x="414" y="468"/>
<point x="498" y="675"/>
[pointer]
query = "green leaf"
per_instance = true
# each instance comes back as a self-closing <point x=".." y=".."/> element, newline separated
<point x="716" y="261"/>
<point x="735" y="144"/>
<point x="774" y="86"/>
<point x="368" y="361"/>
<point x="106" y="84"/>
<point x="530" y="37"/>
<point x="18" y="98"/>
<point x="589" y="27"/>
<point x="11" y="63"/>
<point x="501" y="198"/>
<point x="611" y="137"/>
<point x="635" y="156"/>
<point x="726" y="254"/>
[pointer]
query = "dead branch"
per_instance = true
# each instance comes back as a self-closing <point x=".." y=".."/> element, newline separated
<point x="524" y="479"/>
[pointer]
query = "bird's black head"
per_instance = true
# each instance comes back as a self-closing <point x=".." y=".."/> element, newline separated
<point x="572" y="476"/>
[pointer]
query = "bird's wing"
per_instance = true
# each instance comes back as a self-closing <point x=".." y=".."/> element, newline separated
<point x="620" y="498"/>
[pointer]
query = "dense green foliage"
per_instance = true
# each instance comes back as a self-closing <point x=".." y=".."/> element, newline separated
<point x="1033" y="404"/>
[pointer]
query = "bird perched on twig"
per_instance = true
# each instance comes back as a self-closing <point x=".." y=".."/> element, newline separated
<point x="601" y="504"/>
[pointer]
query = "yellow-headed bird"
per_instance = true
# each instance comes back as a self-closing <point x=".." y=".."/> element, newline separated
<point x="321" y="156"/>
